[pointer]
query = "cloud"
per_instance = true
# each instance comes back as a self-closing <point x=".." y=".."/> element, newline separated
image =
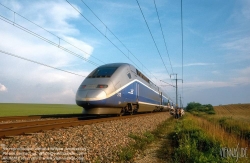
<point x="3" y="88"/>
<point x="237" y="48"/>
<point x="245" y="9"/>
<point x="241" y="77"/>
<point x="215" y="72"/>
<point x="239" y="44"/>
<point x="54" y="16"/>
<point x="29" y="82"/>
<point x="194" y="64"/>
<point x="208" y="84"/>
<point x="242" y="14"/>
<point x="235" y="39"/>
<point x="198" y="64"/>
<point x="245" y="71"/>
<point x="82" y="48"/>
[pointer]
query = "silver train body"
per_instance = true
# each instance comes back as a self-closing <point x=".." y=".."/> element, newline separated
<point x="118" y="88"/>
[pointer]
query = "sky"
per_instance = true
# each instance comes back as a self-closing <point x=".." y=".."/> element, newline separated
<point x="79" y="35"/>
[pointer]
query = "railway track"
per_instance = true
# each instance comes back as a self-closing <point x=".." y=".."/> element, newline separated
<point x="38" y="125"/>
<point x="34" y="117"/>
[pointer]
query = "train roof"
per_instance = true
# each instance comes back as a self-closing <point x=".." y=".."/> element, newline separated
<point x="124" y="64"/>
<point x="114" y="64"/>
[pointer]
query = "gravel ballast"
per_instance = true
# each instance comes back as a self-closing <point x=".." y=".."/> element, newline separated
<point x="90" y="143"/>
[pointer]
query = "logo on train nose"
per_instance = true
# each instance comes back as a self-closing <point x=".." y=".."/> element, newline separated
<point x="131" y="91"/>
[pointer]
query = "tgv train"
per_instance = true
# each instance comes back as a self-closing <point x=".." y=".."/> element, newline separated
<point x="119" y="88"/>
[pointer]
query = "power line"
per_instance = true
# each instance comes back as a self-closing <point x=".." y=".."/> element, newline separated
<point x="107" y="29"/>
<point x="13" y="55"/>
<point x="43" y="38"/>
<point x="59" y="38"/>
<point x="58" y="44"/>
<point x="98" y="30"/>
<point x="182" y="44"/>
<point x="152" y="37"/>
<point x="163" y="35"/>
<point x="106" y="36"/>
<point x="182" y="37"/>
<point x="167" y="83"/>
<point x="110" y="30"/>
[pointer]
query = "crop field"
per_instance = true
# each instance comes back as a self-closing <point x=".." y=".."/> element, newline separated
<point x="15" y="109"/>
<point x="235" y="111"/>
<point x="220" y="137"/>
<point x="234" y="118"/>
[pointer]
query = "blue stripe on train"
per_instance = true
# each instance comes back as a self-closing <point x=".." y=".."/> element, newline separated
<point x="130" y="95"/>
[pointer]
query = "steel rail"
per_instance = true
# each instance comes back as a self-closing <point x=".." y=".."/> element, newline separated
<point x="11" y="118"/>
<point x="34" y="126"/>
<point x="35" y="123"/>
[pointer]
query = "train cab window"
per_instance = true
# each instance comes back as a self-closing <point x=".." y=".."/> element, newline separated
<point x="102" y="72"/>
<point x="129" y="75"/>
<point x="142" y="76"/>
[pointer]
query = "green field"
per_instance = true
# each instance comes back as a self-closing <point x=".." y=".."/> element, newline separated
<point x="15" y="109"/>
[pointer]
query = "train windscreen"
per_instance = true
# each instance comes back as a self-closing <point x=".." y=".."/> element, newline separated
<point x="102" y="72"/>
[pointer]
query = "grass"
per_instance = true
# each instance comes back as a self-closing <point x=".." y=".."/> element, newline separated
<point x="229" y="125"/>
<point x="195" y="139"/>
<point x="192" y="144"/>
<point x="142" y="141"/>
<point x="15" y="109"/>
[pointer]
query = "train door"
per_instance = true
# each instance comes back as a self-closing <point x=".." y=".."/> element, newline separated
<point x="129" y="92"/>
<point x="161" y="98"/>
<point x="137" y="92"/>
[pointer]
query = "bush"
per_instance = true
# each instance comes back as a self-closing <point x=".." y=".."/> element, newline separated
<point x="126" y="153"/>
<point x="142" y="141"/>
<point x="194" y="107"/>
<point x="192" y="144"/>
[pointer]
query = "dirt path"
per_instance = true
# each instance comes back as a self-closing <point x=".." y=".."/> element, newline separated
<point x="150" y="155"/>
<point x="157" y="151"/>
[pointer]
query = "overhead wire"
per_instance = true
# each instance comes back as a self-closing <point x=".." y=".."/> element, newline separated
<point x="43" y="38"/>
<point x="107" y="37"/>
<point x="48" y="41"/>
<point x="163" y="36"/>
<point x="29" y="60"/>
<point x="97" y="29"/>
<point x="55" y="44"/>
<point x="110" y="30"/>
<point x="182" y="44"/>
<point x="152" y="37"/>
<point x="61" y="47"/>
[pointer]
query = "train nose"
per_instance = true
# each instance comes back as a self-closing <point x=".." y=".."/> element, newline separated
<point x="96" y="94"/>
<point x="90" y="95"/>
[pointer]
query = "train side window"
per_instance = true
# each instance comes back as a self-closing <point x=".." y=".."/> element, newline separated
<point x="129" y="75"/>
